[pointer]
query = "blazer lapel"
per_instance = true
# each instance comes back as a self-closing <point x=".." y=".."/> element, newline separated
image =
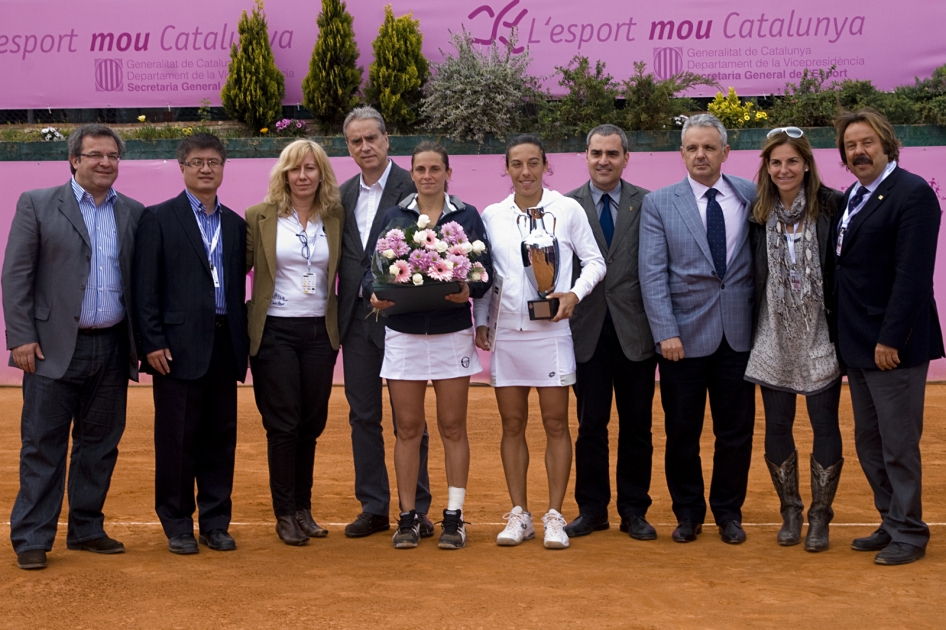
<point x="876" y="200"/>
<point x="185" y="214"/>
<point x="630" y="202"/>
<point x="121" y="222"/>
<point x="232" y="247"/>
<point x="70" y="207"/>
<point x="686" y="206"/>
<point x="334" y="236"/>
<point x="267" y="229"/>
<point x="744" y="227"/>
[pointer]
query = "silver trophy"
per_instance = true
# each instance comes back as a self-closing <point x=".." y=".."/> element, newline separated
<point x="540" y="257"/>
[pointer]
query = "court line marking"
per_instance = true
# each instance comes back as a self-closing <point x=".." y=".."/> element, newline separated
<point x="268" y="523"/>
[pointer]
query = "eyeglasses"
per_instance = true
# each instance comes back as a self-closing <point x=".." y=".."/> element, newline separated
<point x="98" y="157"/>
<point x="304" y="239"/>
<point x="199" y="163"/>
<point x="791" y="132"/>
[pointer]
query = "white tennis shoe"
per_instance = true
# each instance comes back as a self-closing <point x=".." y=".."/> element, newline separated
<point x="555" y="536"/>
<point x="518" y="528"/>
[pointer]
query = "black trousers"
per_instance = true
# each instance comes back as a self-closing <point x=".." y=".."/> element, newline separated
<point x="608" y="375"/>
<point x="361" y="361"/>
<point x="292" y="382"/>
<point x="195" y="431"/>
<point x="90" y="400"/>
<point x="888" y="425"/>
<point x="683" y="388"/>
<point x="780" y="417"/>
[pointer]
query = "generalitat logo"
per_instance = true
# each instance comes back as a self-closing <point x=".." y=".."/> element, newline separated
<point x="505" y="17"/>
<point x="108" y="75"/>
<point x="667" y="62"/>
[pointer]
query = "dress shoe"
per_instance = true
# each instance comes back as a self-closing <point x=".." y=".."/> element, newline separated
<point x="875" y="542"/>
<point x="102" y="544"/>
<point x="426" y="526"/>
<point x="366" y="524"/>
<point x="218" y="540"/>
<point x="585" y="524"/>
<point x="183" y="545"/>
<point x="686" y="531"/>
<point x="289" y="531"/>
<point x="899" y="553"/>
<point x="732" y="533"/>
<point x="32" y="559"/>
<point x="638" y="528"/>
<point x="308" y="525"/>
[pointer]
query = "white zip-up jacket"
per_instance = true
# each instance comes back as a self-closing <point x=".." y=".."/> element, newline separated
<point x="574" y="238"/>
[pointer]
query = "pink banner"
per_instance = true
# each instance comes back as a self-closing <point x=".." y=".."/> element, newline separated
<point x="478" y="180"/>
<point x="111" y="53"/>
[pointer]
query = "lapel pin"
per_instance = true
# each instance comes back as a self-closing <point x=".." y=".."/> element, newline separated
<point x="879" y="197"/>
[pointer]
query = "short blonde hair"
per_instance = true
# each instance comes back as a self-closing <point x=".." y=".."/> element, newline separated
<point x="328" y="200"/>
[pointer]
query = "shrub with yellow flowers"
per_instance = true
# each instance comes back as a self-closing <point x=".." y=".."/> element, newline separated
<point x="736" y="114"/>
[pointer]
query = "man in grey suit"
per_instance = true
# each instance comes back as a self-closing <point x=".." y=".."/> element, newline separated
<point x="614" y="350"/>
<point x="365" y="197"/>
<point x="67" y="306"/>
<point x="697" y="282"/>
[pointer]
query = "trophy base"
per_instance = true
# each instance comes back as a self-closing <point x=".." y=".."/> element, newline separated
<point x="543" y="309"/>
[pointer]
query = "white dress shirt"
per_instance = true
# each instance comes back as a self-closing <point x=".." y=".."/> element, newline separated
<point x="367" y="206"/>
<point x="735" y="212"/>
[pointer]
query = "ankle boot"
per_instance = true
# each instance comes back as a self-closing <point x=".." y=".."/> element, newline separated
<point x="785" y="478"/>
<point x="824" y="485"/>
<point x="289" y="531"/>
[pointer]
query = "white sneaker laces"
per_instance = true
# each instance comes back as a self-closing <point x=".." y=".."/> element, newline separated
<point x="513" y="522"/>
<point x="554" y="523"/>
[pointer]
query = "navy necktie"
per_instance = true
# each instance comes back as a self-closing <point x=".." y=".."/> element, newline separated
<point x="607" y="221"/>
<point x="856" y="200"/>
<point x="716" y="231"/>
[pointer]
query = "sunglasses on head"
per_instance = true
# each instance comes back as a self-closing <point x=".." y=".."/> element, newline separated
<point x="791" y="132"/>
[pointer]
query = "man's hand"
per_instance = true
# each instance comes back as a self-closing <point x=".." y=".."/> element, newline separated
<point x="481" y="340"/>
<point x="159" y="360"/>
<point x="885" y="357"/>
<point x="380" y="304"/>
<point x="672" y="349"/>
<point x="25" y="356"/>
<point x="462" y="296"/>
<point x="566" y="305"/>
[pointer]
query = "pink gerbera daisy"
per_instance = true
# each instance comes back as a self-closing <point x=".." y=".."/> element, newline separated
<point x="400" y="271"/>
<point x="453" y="232"/>
<point x="461" y="266"/>
<point x="441" y="270"/>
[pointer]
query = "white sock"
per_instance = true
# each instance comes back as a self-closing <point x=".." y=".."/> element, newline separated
<point x="455" y="497"/>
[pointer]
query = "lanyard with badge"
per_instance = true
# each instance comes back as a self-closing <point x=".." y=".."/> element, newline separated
<point x="792" y="238"/>
<point x="211" y="246"/>
<point x="309" y="281"/>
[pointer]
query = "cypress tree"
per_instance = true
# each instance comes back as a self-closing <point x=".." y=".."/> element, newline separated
<point x="330" y="89"/>
<point x="255" y="87"/>
<point x="399" y="70"/>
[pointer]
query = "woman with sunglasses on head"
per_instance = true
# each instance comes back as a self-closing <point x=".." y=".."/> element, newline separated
<point x="535" y="353"/>
<point x="433" y="345"/>
<point x="293" y="241"/>
<point x="793" y="349"/>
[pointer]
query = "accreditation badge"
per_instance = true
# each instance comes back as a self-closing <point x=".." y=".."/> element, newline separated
<point x="309" y="283"/>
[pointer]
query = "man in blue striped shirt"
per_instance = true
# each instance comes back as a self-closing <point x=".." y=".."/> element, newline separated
<point x="190" y="270"/>
<point x="67" y="306"/>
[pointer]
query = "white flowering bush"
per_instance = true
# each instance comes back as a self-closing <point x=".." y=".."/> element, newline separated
<point x="50" y="134"/>
<point x="480" y="90"/>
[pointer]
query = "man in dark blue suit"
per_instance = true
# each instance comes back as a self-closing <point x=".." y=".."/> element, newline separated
<point x="190" y="274"/>
<point x="888" y="327"/>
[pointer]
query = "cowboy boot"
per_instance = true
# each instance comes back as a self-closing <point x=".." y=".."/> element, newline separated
<point x="824" y="485"/>
<point x="785" y="478"/>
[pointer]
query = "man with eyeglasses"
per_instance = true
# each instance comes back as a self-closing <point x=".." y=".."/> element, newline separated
<point x="888" y="329"/>
<point x="190" y="268"/>
<point x="67" y="304"/>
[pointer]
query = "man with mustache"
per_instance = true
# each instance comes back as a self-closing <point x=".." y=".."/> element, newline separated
<point x="888" y="327"/>
<point x="697" y="283"/>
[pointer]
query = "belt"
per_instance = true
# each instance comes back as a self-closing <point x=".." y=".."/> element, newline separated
<point x="101" y="331"/>
<point x="220" y="321"/>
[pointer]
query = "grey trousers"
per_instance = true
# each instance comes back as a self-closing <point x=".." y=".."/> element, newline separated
<point x="888" y="424"/>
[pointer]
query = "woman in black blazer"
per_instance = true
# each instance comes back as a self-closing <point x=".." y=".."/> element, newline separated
<point x="793" y="350"/>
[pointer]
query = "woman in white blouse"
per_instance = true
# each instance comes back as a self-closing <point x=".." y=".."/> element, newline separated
<point x="535" y="353"/>
<point x="293" y="241"/>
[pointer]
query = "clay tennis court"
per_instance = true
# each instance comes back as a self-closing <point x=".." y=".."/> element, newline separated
<point x="605" y="580"/>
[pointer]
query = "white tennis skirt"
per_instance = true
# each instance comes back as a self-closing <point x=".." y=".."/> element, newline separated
<point x="531" y="358"/>
<point x="429" y="357"/>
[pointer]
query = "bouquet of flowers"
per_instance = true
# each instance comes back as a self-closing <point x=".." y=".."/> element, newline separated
<point x="417" y="255"/>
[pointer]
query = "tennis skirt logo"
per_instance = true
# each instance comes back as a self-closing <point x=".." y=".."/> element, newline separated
<point x="108" y="75"/>
<point x="667" y="62"/>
